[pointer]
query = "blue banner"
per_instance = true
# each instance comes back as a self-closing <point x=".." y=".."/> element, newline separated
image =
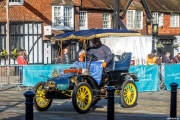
<point x="171" y="74"/>
<point x="148" y="77"/>
<point x="33" y="74"/>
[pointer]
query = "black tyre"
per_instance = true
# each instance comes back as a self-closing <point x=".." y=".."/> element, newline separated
<point x="82" y="97"/>
<point x="40" y="101"/>
<point x="129" y="94"/>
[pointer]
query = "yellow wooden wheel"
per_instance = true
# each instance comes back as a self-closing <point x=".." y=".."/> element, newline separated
<point x="82" y="97"/>
<point x="40" y="101"/>
<point x="129" y="94"/>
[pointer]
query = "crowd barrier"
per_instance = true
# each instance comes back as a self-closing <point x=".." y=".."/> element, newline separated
<point x="11" y="75"/>
<point x="33" y="74"/>
<point x="150" y="77"/>
<point x="170" y="73"/>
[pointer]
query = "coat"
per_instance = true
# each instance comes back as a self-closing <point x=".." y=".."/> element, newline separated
<point x="21" y="60"/>
<point x="102" y="52"/>
<point x="151" y="59"/>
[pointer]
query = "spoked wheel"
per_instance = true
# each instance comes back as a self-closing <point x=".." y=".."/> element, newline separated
<point x="82" y="97"/>
<point x="129" y="94"/>
<point x="40" y="101"/>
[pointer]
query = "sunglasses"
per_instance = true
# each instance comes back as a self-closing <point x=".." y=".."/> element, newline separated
<point x="94" y="42"/>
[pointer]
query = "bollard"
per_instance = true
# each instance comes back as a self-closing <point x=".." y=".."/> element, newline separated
<point x="173" y="104"/>
<point x="29" y="105"/>
<point x="110" y="105"/>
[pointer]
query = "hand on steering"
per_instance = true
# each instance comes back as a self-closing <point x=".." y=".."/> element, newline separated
<point x="104" y="64"/>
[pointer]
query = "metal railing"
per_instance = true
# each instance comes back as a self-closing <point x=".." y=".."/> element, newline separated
<point x="11" y="75"/>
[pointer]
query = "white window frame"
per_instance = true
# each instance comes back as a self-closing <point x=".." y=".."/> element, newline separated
<point x="175" y="17"/>
<point x="16" y="3"/>
<point x="158" y="18"/>
<point x="109" y="21"/>
<point x="132" y="21"/>
<point x="86" y="21"/>
<point x="62" y="26"/>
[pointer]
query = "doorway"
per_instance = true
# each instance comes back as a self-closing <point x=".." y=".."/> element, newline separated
<point x="167" y="46"/>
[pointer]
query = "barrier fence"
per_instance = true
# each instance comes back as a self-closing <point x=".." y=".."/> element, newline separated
<point x="150" y="77"/>
<point x="11" y="75"/>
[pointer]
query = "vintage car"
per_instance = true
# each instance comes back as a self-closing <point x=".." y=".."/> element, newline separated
<point x="86" y="82"/>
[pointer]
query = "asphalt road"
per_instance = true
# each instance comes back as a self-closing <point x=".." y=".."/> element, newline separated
<point x="151" y="106"/>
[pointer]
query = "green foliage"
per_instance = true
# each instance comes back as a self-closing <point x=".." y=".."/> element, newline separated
<point x="175" y="45"/>
<point x="3" y="54"/>
<point x="14" y="54"/>
<point x="160" y="46"/>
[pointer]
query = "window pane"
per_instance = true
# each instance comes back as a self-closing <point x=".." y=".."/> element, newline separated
<point x="14" y="0"/>
<point x="161" y="19"/>
<point x="82" y="19"/>
<point x="174" y="20"/>
<point x="16" y="36"/>
<point x="57" y="17"/>
<point x="67" y="16"/>
<point x="130" y="20"/>
<point x="106" y="20"/>
<point x="2" y="29"/>
<point x="2" y="41"/>
<point x="137" y="22"/>
<point x="155" y="17"/>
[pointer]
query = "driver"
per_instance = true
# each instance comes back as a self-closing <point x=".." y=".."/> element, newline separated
<point x="101" y="51"/>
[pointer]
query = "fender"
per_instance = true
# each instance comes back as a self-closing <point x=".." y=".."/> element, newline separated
<point x="91" y="81"/>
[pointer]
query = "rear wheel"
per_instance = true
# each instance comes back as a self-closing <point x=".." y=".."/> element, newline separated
<point x="40" y="101"/>
<point x="82" y="97"/>
<point x="129" y="94"/>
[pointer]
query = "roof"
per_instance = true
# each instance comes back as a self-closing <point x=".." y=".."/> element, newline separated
<point x="63" y="2"/>
<point x="99" y="4"/>
<point x="88" y="4"/>
<point x="164" y="5"/>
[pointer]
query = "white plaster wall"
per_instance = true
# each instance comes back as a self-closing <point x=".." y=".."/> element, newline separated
<point x="177" y="50"/>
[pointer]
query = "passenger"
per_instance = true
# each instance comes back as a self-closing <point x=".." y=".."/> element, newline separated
<point x="166" y="58"/>
<point x="176" y="59"/>
<point x="102" y="52"/>
<point x="80" y="55"/>
<point x="65" y="57"/>
<point x="152" y="58"/>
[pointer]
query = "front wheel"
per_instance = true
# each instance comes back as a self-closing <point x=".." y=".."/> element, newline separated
<point x="82" y="97"/>
<point x="40" y="101"/>
<point x="129" y="94"/>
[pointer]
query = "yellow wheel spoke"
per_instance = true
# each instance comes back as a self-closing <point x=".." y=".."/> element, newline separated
<point x="130" y="94"/>
<point x="83" y="97"/>
<point x="40" y="98"/>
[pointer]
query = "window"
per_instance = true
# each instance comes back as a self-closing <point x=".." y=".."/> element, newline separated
<point x="134" y="19"/>
<point x="72" y="52"/>
<point x="16" y="37"/>
<point x="174" y="20"/>
<point x="158" y="18"/>
<point x="16" y="2"/>
<point x="106" y="20"/>
<point x="63" y="17"/>
<point x="2" y="36"/>
<point x="82" y="20"/>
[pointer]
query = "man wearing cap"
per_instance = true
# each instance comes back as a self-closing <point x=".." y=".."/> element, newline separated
<point x="101" y="51"/>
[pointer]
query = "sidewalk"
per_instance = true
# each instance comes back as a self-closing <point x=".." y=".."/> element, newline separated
<point x="151" y="106"/>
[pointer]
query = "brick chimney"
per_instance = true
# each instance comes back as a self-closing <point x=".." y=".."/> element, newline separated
<point x="78" y="2"/>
